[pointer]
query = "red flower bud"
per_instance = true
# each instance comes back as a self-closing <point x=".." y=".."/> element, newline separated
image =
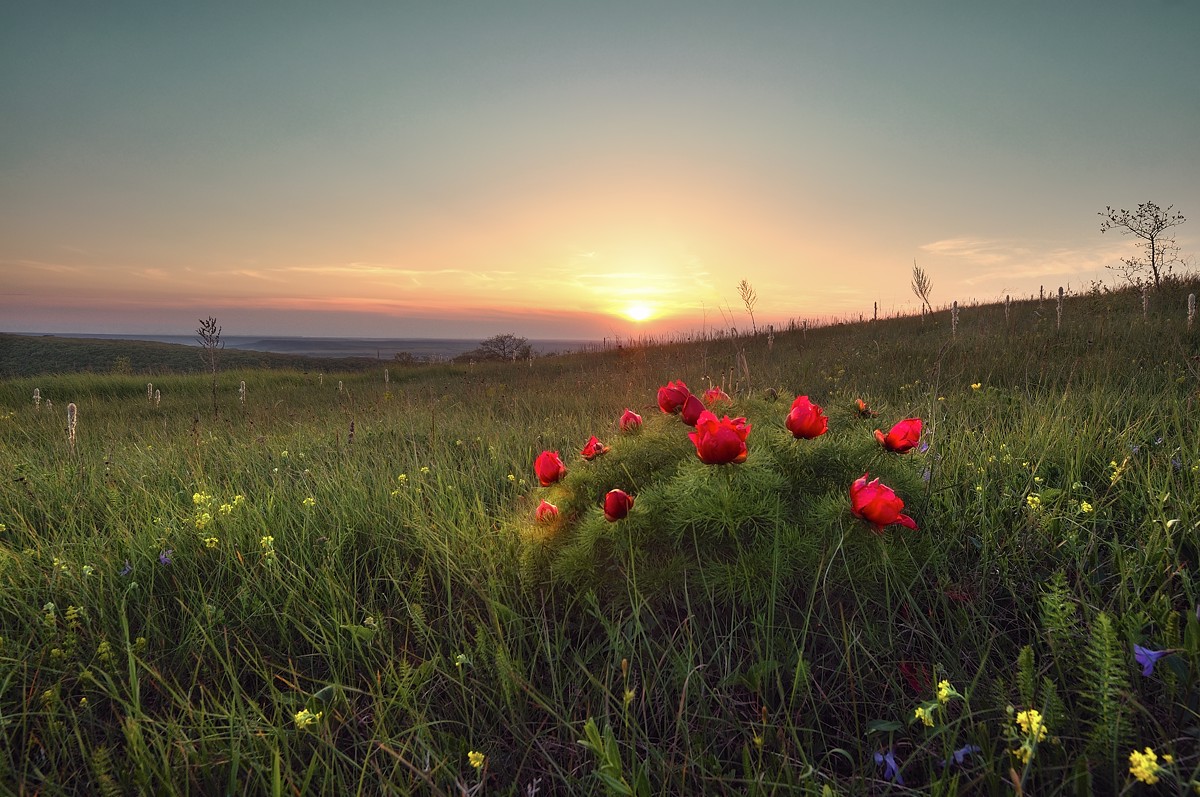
<point x="593" y="449"/>
<point x="806" y="420"/>
<point x="877" y="504"/>
<point x="630" y="421"/>
<point x="549" y="468"/>
<point x="863" y="410"/>
<point x="719" y="442"/>
<point x="617" y="504"/>
<point x="672" y="395"/>
<point x="715" y="395"/>
<point x="691" y="409"/>
<point x="903" y="437"/>
<point x="546" y="512"/>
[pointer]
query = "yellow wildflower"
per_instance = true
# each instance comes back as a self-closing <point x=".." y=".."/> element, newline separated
<point x="976" y="385"/>
<point x="203" y="519"/>
<point x="1085" y="507"/>
<point x="211" y="542"/>
<point x="225" y="509"/>
<point x="1032" y="724"/>
<point x="310" y="501"/>
<point x="924" y="715"/>
<point x="945" y="692"/>
<point x="239" y="499"/>
<point x="1034" y="501"/>
<point x="476" y="759"/>
<point x="201" y="499"/>
<point x="304" y="718"/>
<point x="1144" y="766"/>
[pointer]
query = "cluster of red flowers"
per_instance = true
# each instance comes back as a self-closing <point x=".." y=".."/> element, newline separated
<point x="723" y="441"/>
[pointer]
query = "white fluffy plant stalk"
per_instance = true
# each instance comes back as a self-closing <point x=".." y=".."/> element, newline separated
<point x="1058" y="322"/>
<point x="1191" y="311"/>
<point x="954" y="319"/>
<point x="149" y="392"/>
<point x="72" y="422"/>
<point x="37" y="398"/>
<point x="242" y="393"/>
<point x="157" y="396"/>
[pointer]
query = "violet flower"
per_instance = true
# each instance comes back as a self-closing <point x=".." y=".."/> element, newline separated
<point x="128" y="568"/>
<point x="891" y="770"/>
<point x="1147" y="658"/>
<point x="164" y="558"/>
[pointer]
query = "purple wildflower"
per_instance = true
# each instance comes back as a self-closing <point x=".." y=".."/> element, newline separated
<point x="961" y="753"/>
<point x="891" y="770"/>
<point x="1147" y="657"/>
<point x="128" y="568"/>
<point x="923" y="447"/>
<point x="164" y="558"/>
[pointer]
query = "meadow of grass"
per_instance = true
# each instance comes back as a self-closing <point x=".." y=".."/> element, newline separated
<point x="338" y="587"/>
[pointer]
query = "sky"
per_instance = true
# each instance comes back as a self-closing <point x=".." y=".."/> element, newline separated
<point x="574" y="169"/>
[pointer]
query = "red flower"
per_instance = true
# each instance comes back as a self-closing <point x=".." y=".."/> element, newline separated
<point x="718" y="442"/>
<point x="691" y="409"/>
<point x="806" y="420"/>
<point x="877" y="504"/>
<point x="549" y="468"/>
<point x="617" y="504"/>
<point x="903" y="437"/>
<point x="546" y="512"/>
<point x="593" y="449"/>
<point x="863" y="410"/>
<point x="715" y="395"/>
<point x="672" y="395"/>
<point x="630" y="421"/>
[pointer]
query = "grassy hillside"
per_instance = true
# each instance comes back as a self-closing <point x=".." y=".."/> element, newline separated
<point x="33" y="355"/>
<point x="338" y="585"/>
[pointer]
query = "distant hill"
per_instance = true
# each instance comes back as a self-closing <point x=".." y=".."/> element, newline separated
<point x="33" y="355"/>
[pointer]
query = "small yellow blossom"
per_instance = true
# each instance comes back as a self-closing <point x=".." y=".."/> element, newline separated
<point x="1034" y="501"/>
<point x="310" y="501"/>
<point x="225" y="509"/>
<point x="1144" y="766"/>
<point x="1022" y="753"/>
<point x="512" y="478"/>
<point x="201" y="499"/>
<point x="203" y="519"/>
<point x="403" y="477"/>
<point x="304" y="718"/>
<point x="283" y="454"/>
<point x="3" y="527"/>
<point x="1085" y="507"/>
<point x="945" y="692"/>
<point x="239" y="499"/>
<point x="83" y="701"/>
<point x="630" y="694"/>
<point x="211" y="542"/>
<point x="976" y="385"/>
<point x="424" y="469"/>
<point x="924" y="715"/>
<point x="476" y="759"/>
<point x="1032" y="724"/>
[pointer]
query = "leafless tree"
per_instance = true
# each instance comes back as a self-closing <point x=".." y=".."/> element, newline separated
<point x="749" y="298"/>
<point x="922" y="286"/>
<point x="209" y="336"/>
<point x="1150" y="223"/>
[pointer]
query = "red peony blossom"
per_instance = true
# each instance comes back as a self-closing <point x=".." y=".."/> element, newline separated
<point x="806" y="420"/>
<point x="549" y="468"/>
<point x="546" y="512"/>
<point x="672" y="395"/>
<point x="719" y="442"/>
<point x="715" y="395"/>
<point x="903" y="437"/>
<point x="630" y="421"/>
<point x="593" y="449"/>
<point x="617" y="504"/>
<point x="691" y="409"/>
<point x="877" y="504"/>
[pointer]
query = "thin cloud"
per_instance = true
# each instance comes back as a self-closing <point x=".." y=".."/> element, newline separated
<point x="1009" y="259"/>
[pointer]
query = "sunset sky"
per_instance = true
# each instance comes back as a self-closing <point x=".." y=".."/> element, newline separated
<point x="556" y="169"/>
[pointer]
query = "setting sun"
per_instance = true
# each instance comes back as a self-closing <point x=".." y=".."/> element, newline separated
<point x="639" y="311"/>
